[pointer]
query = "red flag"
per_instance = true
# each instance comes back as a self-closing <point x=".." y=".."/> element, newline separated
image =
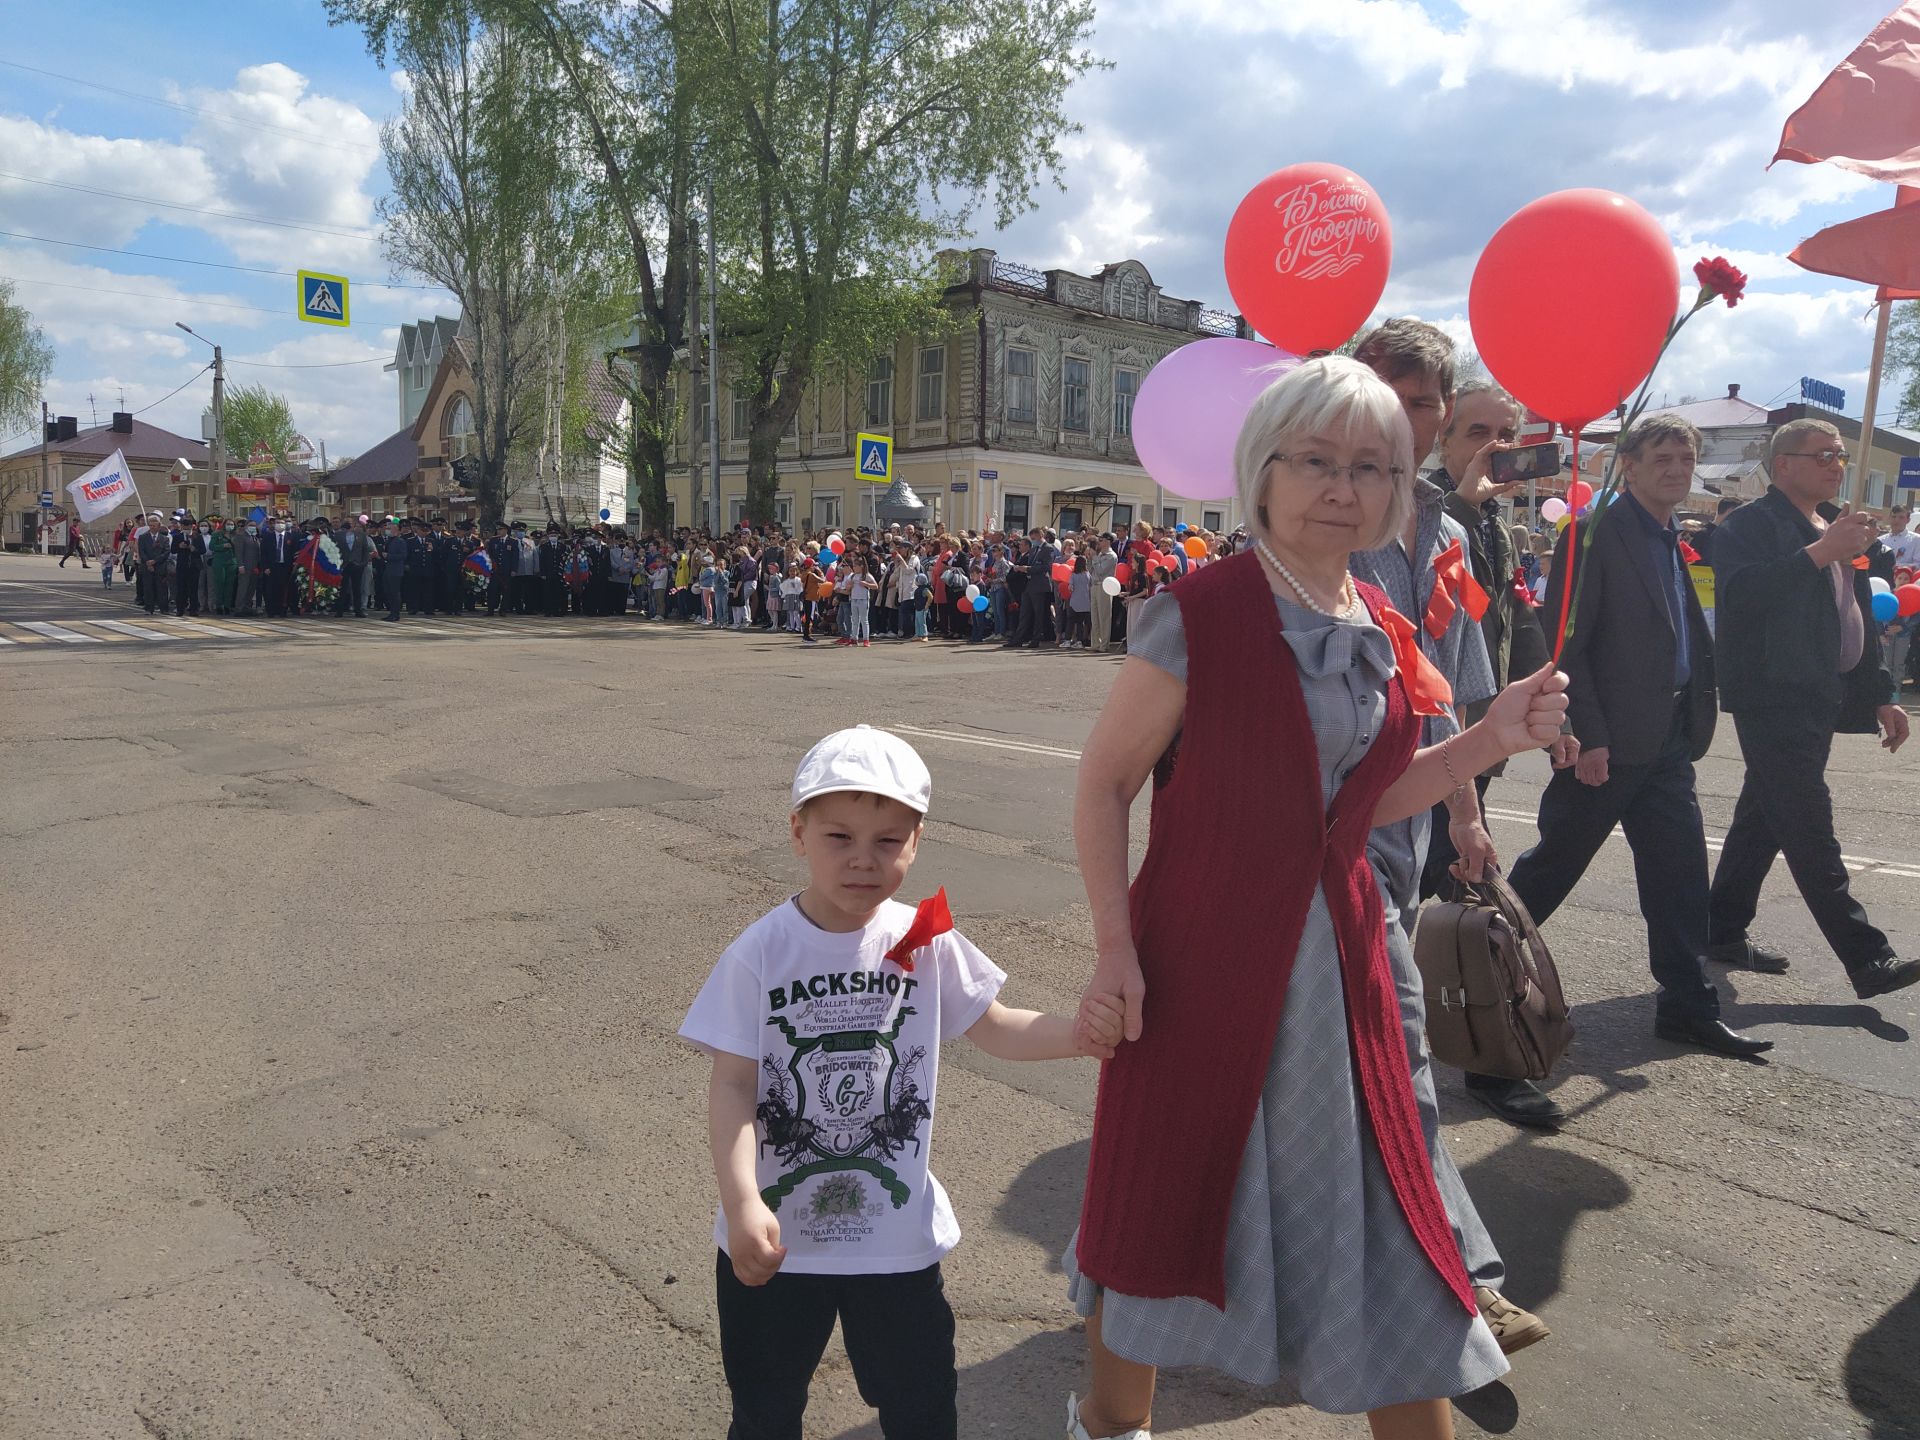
<point x="1879" y="249"/>
<point x="1427" y="688"/>
<point x="1905" y="195"/>
<point x="931" y="918"/>
<point x="1453" y="587"/>
<point x="1865" y="116"/>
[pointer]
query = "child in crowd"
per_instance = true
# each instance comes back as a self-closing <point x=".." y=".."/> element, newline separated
<point x="775" y="595"/>
<point x="709" y="579"/>
<point x="824" y="1020"/>
<point x="1080" y="605"/>
<point x="855" y="589"/>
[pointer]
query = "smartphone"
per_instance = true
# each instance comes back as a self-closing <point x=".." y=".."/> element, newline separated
<point x="1526" y="462"/>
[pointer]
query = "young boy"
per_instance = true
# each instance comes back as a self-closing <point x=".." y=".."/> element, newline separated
<point x="824" y="1020"/>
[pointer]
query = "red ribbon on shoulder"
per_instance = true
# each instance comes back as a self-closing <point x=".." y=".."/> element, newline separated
<point x="1690" y="555"/>
<point x="930" y="918"/>
<point x="1453" y="587"/>
<point x="1427" y="688"/>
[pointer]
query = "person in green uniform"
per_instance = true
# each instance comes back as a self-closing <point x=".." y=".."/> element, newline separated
<point x="226" y="569"/>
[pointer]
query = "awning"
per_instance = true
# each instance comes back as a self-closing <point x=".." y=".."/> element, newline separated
<point x="1088" y="492"/>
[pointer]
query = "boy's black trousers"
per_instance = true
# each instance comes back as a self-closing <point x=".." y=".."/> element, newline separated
<point x="898" y="1331"/>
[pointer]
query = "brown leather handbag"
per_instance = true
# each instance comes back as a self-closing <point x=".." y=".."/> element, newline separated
<point x="1494" y="1005"/>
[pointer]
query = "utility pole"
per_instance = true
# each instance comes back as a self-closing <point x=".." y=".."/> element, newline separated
<point x="221" y="498"/>
<point x="696" y="505"/>
<point x="713" y="359"/>
<point x="44" y="486"/>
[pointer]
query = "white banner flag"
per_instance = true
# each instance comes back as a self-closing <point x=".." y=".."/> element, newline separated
<point x="102" y="489"/>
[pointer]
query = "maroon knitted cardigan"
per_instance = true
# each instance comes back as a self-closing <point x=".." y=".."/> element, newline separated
<point x="1239" y="838"/>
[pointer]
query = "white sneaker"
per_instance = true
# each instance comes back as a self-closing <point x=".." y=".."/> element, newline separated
<point x="1077" y="1431"/>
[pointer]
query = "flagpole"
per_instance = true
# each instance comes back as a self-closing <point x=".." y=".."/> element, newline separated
<point x="1856" y="485"/>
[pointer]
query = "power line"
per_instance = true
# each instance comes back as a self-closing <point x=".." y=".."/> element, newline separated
<point x="309" y="136"/>
<point x="210" y="264"/>
<point x="155" y="295"/>
<point x="320" y="365"/>
<point x="176" y="389"/>
<point x="190" y="209"/>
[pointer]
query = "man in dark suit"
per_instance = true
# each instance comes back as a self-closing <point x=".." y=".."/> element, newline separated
<point x="1800" y="661"/>
<point x="156" y="563"/>
<point x="277" y="549"/>
<point x="1641" y="703"/>
<point x="393" y="578"/>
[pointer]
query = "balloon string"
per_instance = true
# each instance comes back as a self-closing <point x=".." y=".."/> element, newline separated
<point x="1566" y="580"/>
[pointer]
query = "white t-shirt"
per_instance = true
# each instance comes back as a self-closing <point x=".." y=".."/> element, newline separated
<point x="848" y="1046"/>
<point x="1905" y="547"/>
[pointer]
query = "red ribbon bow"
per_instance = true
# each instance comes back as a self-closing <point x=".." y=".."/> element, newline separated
<point x="1427" y="688"/>
<point x="1690" y="555"/>
<point x="1522" y="592"/>
<point x="1453" y="587"/>
<point x="930" y="918"/>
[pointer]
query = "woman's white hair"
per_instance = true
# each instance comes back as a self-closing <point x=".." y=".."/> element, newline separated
<point x="1337" y="398"/>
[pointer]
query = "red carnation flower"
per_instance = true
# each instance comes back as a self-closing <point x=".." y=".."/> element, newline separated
<point x="1718" y="277"/>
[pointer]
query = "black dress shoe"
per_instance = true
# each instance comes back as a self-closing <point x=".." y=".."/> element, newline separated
<point x="1714" y="1035"/>
<point x="1518" y="1102"/>
<point x="1883" y="976"/>
<point x="1745" y="955"/>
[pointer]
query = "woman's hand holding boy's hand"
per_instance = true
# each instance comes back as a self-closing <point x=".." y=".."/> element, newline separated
<point x="753" y="1243"/>
<point x="1099" y="1028"/>
<point x="1113" y="997"/>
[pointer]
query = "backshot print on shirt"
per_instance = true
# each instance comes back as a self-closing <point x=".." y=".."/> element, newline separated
<point x="847" y="1045"/>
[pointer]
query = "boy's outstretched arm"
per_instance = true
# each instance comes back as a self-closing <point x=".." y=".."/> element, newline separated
<point x="753" y="1232"/>
<point x="1029" y="1035"/>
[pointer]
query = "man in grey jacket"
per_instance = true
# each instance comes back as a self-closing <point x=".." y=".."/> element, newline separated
<point x="356" y="553"/>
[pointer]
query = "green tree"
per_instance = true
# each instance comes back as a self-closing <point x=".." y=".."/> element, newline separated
<point x="26" y="359"/>
<point x="258" y="417"/>
<point x="1903" y="358"/>
<point x="631" y="142"/>
<point x="848" y="139"/>
<point x="485" y="202"/>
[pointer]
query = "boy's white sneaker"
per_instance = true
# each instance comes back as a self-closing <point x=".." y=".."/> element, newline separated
<point x="1077" y="1431"/>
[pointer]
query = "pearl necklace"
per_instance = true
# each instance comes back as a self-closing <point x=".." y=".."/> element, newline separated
<point x="1348" y="596"/>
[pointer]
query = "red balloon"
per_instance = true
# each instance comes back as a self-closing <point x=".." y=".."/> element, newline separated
<point x="1307" y="256"/>
<point x="1579" y="493"/>
<point x="1571" y="302"/>
<point x="1123" y="572"/>
<point x="1909" y="598"/>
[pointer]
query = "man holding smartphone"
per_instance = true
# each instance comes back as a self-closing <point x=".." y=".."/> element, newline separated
<point x="1483" y="428"/>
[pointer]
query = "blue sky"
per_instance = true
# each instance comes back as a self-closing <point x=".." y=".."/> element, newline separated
<point x="1457" y="114"/>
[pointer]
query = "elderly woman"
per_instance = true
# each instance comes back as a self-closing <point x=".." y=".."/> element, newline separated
<point x="1260" y="1198"/>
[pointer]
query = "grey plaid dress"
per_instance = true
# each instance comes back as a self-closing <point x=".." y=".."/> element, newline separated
<point x="1328" y="1294"/>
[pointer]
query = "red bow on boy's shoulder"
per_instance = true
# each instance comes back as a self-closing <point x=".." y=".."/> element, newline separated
<point x="931" y="918"/>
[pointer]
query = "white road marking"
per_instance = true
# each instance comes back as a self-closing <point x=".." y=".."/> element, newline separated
<point x="1894" y="869"/>
<point x="1017" y="746"/>
<point x="57" y="632"/>
<point x="139" y="632"/>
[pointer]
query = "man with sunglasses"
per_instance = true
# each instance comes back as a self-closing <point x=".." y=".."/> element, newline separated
<point x="1799" y="661"/>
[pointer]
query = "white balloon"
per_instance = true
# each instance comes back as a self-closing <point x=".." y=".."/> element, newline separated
<point x="1552" y="509"/>
<point x="1110" y="585"/>
<point x="973" y="592"/>
<point x="1879" y="586"/>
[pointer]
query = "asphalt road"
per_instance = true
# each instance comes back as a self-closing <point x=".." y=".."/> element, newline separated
<point x="340" y="1097"/>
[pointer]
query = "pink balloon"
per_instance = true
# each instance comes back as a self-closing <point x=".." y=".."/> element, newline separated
<point x="1191" y="407"/>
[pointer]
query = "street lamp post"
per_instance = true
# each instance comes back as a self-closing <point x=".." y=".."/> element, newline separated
<point x="219" y="420"/>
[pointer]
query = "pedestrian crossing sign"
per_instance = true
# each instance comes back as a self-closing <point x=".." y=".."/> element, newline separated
<point x="323" y="298"/>
<point x="875" y="463"/>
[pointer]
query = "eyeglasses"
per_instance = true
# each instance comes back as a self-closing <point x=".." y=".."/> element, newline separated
<point x="1320" y="470"/>
<point x="1825" y="457"/>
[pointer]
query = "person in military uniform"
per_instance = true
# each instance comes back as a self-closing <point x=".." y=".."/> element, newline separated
<point x="190" y="553"/>
<point x="502" y="555"/>
<point x="553" y="571"/>
<point x="449" y="576"/>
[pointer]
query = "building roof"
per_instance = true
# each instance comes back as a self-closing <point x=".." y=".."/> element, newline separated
<point x="422" y="338"/>
<point x="1723" y="412"/>
<point x="142" y="442"/>
<point x="387" y="463"/>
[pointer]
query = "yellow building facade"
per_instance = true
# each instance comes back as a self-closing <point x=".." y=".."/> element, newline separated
<point x="1019" y="416"/>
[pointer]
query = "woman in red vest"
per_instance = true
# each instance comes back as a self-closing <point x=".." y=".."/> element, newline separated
<point x="1260" y="1198"/>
